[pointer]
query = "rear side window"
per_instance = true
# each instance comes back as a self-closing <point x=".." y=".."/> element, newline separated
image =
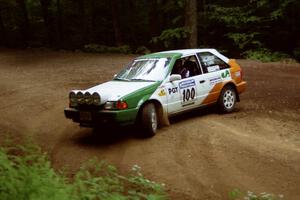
<point x="211" y="63"/>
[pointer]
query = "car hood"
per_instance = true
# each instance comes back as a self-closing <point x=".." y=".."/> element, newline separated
<point x="115" y="90"/>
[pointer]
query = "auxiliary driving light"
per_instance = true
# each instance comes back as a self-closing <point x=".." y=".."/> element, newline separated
<point x="96" y="99"/>
<point x="88" y="99"/>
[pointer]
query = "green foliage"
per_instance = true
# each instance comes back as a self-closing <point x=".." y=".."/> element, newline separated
<point x="297" y="53"/>
<point x="233" y="17"/>
<point x="95" y="48"/>
<point x="26" y="174"/>
<point x="241" y="22"/>
<point x="256" y="24"/>
<point x="142" y="50"/>
<point x="101" y="181"/>
<point x="169" y="36"/>
<point x="265" y="55"/>
<point x="235" y="26"/>
<point x="243" y="40"/>
<point x="236" y="194"/>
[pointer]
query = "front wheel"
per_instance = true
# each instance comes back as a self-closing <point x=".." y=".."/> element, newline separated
<point x="227" y="99"/>
<point x="149" y="120"/>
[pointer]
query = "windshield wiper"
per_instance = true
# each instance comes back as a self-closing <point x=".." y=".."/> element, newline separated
<point x="139" y="79"/>
<point x="121" y="79"/>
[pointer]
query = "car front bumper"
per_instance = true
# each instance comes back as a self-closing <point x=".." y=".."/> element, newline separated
<point x="94" y="118"/>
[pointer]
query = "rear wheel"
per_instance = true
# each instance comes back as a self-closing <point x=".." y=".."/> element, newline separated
<point x="149" y="121"/>
<point x="227" y="99"/>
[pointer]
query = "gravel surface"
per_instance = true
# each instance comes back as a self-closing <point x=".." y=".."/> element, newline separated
<point x="201" y="155"/>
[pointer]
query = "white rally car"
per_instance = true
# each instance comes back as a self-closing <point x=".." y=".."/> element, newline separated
<point x="155" y="86"/>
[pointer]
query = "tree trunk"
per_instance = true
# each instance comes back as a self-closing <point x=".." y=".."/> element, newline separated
<point x="2" y="31"/>
<point x="83" y="22"/>
<point x="47" y="20"/>
<point x="191" y="23"/>
<point x="153" y="18"/>
<point x="24" y="22"/>
<point x="60" y="34"/>
<point x="93" y="19"/>
<point x="114" y="4"/>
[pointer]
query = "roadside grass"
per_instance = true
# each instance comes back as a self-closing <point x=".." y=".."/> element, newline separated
<point x="236" y="194"/>
<point x="26" y="174"/>
<point x="266" y="55"/>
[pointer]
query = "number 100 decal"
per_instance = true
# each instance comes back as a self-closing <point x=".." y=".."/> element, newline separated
<point x="187" y="92"/>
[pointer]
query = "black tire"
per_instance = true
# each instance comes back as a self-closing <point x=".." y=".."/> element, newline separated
<point x="227" y="99"/>
<point x="149" y="120"/>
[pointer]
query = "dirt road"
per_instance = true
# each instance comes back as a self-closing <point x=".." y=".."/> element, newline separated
<point x="201" y="155"/>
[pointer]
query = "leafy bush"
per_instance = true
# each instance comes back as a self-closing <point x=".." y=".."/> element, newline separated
<point x="26" y="174"/>
<point x="297" y="53"/>
<point x="243" y="40"/>
<point x="236" y="194"/>
<point x="96" y="48"/>
<point x="169" y="36"/>
<point x="142" y="50"/>
<point x="265" y="55"/>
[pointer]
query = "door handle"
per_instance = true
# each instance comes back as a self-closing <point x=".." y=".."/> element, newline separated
<point x="202" y="81"/>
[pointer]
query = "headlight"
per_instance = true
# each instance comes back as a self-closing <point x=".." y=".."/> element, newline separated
<point x="80" y="98"/>
<point x="73" y="99"/>
<point x="110" y="105"/>
<point x="115" y="105"/>
<point x="96" y="99"/>
<point x="88" y="98"/>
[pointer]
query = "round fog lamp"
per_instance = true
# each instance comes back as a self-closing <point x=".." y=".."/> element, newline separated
<point x="80" y="97"/>
<point x="72" y="97"/>
<point x="96" y="99"/>
<point x="88" y="98"/>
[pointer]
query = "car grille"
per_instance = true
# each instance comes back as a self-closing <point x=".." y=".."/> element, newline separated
<point x="86" y="107"/>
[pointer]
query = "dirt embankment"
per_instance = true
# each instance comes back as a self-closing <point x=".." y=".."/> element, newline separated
<point x="202" y="155"/>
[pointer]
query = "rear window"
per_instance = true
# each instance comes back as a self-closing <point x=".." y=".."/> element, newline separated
<point x="211" y="63"/>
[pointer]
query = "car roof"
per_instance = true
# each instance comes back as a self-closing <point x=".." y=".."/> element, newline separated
<point x="183" y="52"/>
<point x="186" y="52"/>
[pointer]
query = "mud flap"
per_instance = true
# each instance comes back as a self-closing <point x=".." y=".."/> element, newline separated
<point x="165" y="119"/>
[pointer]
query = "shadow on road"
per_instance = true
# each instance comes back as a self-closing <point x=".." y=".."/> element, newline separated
<point x="193" y="114"/>
<point x="104" y="136"/>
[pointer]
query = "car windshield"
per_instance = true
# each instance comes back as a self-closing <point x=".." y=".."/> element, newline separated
<point x="145" y="70"/>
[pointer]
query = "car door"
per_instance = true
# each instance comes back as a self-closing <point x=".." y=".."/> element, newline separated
<point x="215" y="72"/>
<point x="183" y="94"/>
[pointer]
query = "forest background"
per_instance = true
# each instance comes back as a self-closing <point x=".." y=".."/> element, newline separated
<point x="266" y="29"/>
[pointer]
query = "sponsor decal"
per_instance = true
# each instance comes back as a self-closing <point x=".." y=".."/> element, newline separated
<point x="173" y="90"/>
<point x="225" y="74"/>
<point x="213" y="68"/>
<point x="187" y="83"/>
<point x="187" y="92"/>
<point x="162" y="93"/>
<point x="215" y="80"/>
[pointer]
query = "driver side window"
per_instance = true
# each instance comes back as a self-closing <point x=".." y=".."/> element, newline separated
<point x="186" y="67"/>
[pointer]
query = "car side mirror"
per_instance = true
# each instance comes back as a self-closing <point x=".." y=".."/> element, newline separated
<point x="175" y="77"/>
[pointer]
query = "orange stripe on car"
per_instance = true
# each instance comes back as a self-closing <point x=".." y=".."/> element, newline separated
<point x="213" y="94"/>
